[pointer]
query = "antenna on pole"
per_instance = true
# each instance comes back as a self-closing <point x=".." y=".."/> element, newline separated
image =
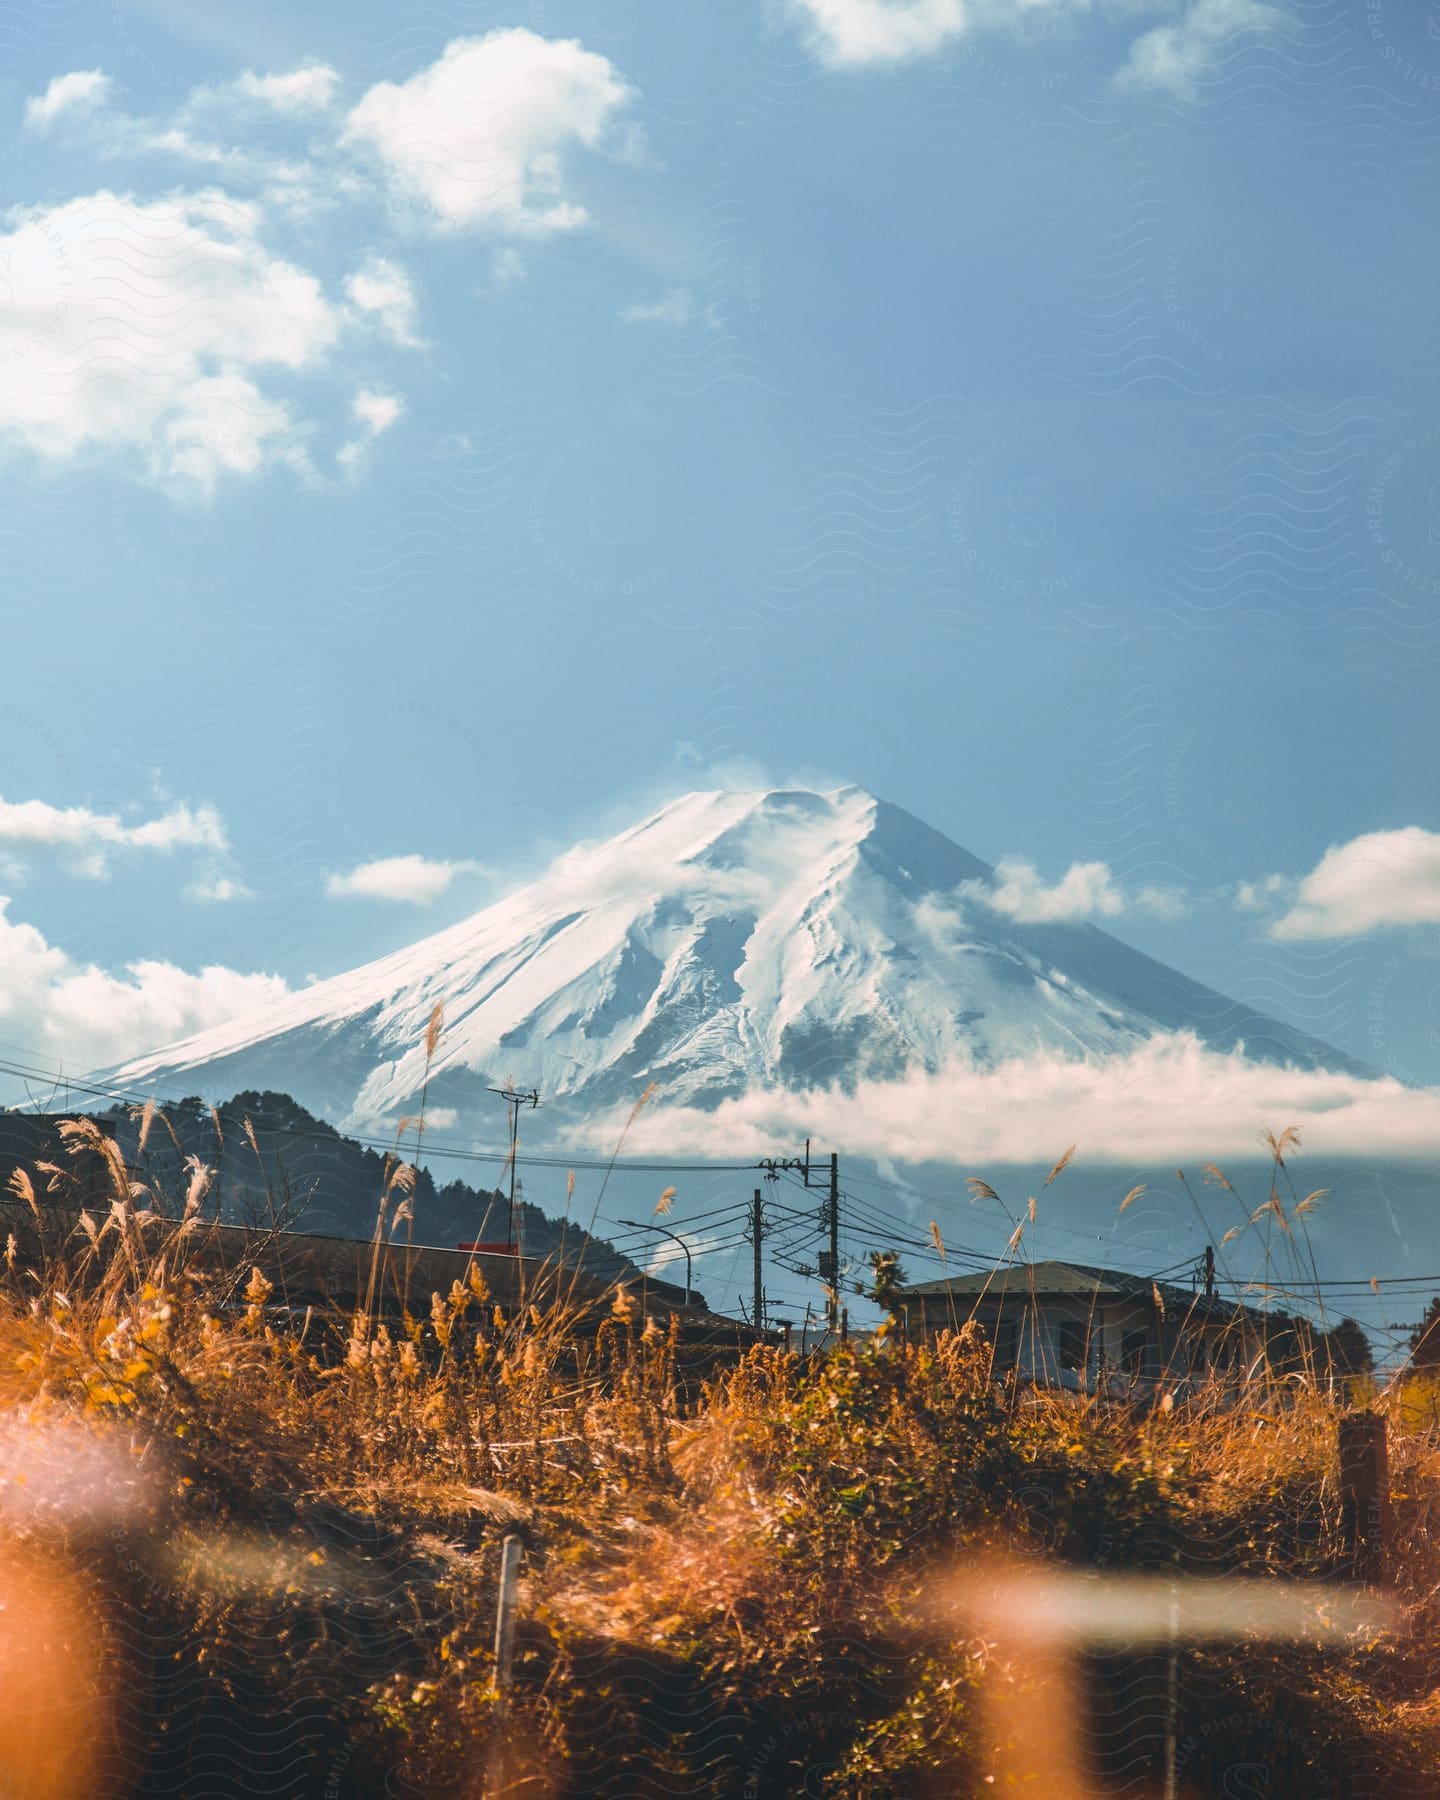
<point x="515" y="1101"/>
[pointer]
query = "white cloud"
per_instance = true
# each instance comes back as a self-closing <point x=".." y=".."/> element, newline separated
<point x="1381" y="879"/>
<point x="376" y="412"/>
<point x="1256" y="896"/>
<point x="1086" y="890"/>
<point x="140" y="329"/>
<point x="418" y="879"/>
<point x="481" y="135"/>
<point x="308" y="89"/>
<point x="1170" y="1099"/>
<point x="86" y="836"/>
<point x="80" y="91"/>
<point x="677" y="307"/>
<point x="1175" y="58"/>
<point x="382" y="289"/>
<point x="879" y="31"/>
<point x="88" y="1018"/>
<point x="217" y="888"/>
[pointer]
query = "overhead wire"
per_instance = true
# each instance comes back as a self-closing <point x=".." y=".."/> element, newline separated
<point x="900" y="1234"/>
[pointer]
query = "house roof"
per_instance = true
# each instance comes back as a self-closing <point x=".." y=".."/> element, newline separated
<point x="1073" y="1281"/>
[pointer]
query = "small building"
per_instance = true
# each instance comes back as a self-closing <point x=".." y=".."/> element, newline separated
<point x="1071" y="1325"/>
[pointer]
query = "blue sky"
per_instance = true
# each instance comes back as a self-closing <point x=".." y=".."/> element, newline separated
<point x="439" y="436"/>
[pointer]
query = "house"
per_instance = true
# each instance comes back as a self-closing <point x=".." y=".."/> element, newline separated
<point x="1075" y="1326"/>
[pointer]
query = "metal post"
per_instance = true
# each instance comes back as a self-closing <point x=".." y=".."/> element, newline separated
<point x="756" y="1231"/>
<point x="515" y="1101"/>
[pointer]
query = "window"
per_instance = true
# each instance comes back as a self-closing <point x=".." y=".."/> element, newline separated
<point x="1074" y="1344"/>
<point x="1132" y="1352"/>
<point x="1005" y="1335"/>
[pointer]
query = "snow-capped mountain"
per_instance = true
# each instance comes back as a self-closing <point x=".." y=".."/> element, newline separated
<point x="782" y="938"/>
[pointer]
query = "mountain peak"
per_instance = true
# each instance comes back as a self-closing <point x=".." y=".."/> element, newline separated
<point x="775" y="937"/>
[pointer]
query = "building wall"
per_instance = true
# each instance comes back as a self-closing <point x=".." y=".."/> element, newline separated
<point x="1124" y="1337"/>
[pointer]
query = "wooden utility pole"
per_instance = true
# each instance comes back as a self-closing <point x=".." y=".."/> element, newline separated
<point x="757" y="1233"/>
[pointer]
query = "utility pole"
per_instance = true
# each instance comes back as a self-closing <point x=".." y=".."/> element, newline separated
<point x="828" y="1261"/>
<point x="834" y="1237"/>
<point x="757" y="1232"/>
<point x="515" y="1101"/>
<point x="1209" y="1271"/>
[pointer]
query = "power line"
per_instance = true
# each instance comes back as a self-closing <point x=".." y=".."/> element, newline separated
<point x="864" y="1213"/>
<point x="452" y="1152"/>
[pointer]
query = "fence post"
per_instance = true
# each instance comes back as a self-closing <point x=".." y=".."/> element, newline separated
<point x="511" y="1551"/>
<point x="1364" y="1493"/>
<point x="1172" y="1694"/>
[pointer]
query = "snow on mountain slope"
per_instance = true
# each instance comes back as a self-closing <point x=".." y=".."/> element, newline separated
<point x="730" y="940"/>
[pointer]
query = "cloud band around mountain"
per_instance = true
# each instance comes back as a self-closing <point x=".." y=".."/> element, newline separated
<point x="1171" y="1099"/>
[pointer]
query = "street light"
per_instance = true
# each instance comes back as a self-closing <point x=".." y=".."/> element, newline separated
<point x="635" y="1225"/>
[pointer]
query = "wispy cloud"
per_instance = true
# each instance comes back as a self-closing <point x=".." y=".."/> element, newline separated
<point x="678" y="307"/>
<point x="85" y="836"/>
<point x="374" y="413"/>
<point x="1176" y="58"/>
<point x="1086" y="890"/>
<point x="383" y="290"/>
<point x="416" y="879"/>
<point x="81" y="91"/>
<point x="310" y="88"/>
<point x="1382" y="880"/>
<point x="217" y="889"/>
<point x="79" y="107"/>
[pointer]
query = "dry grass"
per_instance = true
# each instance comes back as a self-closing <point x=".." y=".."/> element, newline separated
<point x="281" y="1533"/>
